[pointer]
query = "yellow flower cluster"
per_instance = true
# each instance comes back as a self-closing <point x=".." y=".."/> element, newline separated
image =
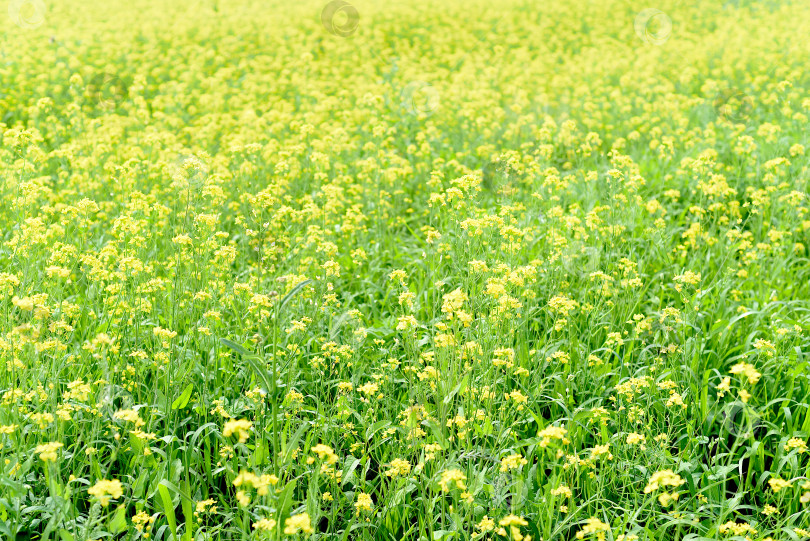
<point x="105" y="489"/>
<point x="47" y="452"/>
<point x="661" y="479"/>
<point x="238" y="427"/>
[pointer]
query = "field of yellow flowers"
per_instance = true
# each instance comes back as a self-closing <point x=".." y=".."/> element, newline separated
<point x="420" y="270"/>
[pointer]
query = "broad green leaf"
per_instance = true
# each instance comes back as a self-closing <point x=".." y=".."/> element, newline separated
<point x="168" y="508"/>
<point x="183" y="399"/>
<point x="119" y="521"/>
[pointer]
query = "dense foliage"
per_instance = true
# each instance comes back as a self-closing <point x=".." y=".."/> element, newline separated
<point x="404" y="270"/>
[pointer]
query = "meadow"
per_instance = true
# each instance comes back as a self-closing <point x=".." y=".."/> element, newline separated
<point x="451" y="270"/>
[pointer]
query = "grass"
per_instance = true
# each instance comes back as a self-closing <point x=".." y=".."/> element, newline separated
<point x="419" y="270"/>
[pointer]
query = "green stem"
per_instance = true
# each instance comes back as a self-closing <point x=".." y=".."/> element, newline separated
<point x="274" y="392"/>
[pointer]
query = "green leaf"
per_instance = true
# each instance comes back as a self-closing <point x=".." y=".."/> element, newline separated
<point x="185" y="501"/>
<point x="462" y="385"/>
<point x="348" y="470"/>
<point x="291" y="445"/>
<point x="187" y="511"/>
<point x="376" y="427"/>
<point x="168" y="508"/>
<point x="436" y="429"/>
<point x="285" y="498"/>
<point x="252" y="360"/>
<point x="292" y="293"/>
<point x="236" y="347"/>
<point x="183" y="399"/>
<point x="119" y="521"/>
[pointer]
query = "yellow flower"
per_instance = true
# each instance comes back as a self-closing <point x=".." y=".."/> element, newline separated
<point x="259" y="482"/>
<point x="243" y="498"/>
<point x="688" y="277"/>
<point x="205" y="506"/>
<point x="103" y="490"/>
<point x="452" y="477"/>
<point x="796" y="443"/>
<point x="298" y="523"/>
<point x="77" y="390"/>
<point x="486" y="524"/>
<point x="398" y="467"/>
<point x="369" y="388"/>
<point x="665" y="498"/>
<point x="661" y="479"/>
<point x="563" y="491"/>
<point x="240" y="427"/>
<point x="142" y="521"/>
<point x="552" y="433"/>
<point x="765" y="346"/>
<point x="512" y="462"/>
<point x="130" y="416"/>
<point x="398" y="275"/>
<point x="406" y="322"/>
<point x="47" y="451"/>
<point x="363" y="503"/>
<point x="453" y="301"/>
<point x="736" y="528"/>
<point x="675" y="399"/>
<point x="594" y="526"/>
<point x="724" y="387"/>
<point x="769" y="510"/>
<point x="265" y="524"/>
<point x="746" y="370"/>
<point x="635" y="439"/>
<point x="42" y="419"/>
<point x="325" y="452"/>
<point x="513" y="520"/>
<point x="778" y="484"/>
